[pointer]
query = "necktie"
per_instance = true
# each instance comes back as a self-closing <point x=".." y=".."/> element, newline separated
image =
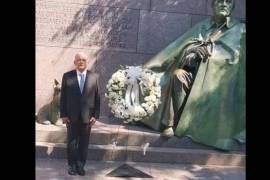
<point x="81" y="82"/>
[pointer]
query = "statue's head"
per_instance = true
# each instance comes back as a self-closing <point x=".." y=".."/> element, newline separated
<point x="223" y="8"/>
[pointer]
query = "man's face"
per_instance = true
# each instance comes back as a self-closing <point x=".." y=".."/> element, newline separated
<point x="80" y="63"/>
<point x="223" y="7"/>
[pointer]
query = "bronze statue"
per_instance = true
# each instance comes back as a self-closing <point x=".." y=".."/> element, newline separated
<point x="203" y="81"/>
<point x="50" y="113"/>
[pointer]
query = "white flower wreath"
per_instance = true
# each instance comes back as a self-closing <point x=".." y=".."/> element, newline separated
<point x="133" y="93"/>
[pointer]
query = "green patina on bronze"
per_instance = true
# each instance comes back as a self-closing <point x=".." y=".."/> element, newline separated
<point x="213" y="110"/>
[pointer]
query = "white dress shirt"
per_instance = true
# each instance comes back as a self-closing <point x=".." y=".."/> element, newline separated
<point x="79" y="76"/>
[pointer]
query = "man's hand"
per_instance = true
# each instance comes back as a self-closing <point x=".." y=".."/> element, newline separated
<point x="66" y="121"/>
<point x="92" y="121"/>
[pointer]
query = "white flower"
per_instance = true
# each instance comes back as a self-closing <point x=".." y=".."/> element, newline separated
<point x="110" y="82"/>
<point x="122" y="84"/>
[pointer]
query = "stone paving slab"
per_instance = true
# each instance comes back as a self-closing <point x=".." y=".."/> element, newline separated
<point x="56" y="169"/>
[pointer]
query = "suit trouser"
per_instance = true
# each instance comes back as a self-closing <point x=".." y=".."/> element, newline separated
<point x="77" y="143"/>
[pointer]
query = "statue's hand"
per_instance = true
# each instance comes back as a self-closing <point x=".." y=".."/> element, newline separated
<point x="197" y="53"/>
<point x="202" y="53"/>
<point x="191" y="58"/>
<point x="183" y="76"/>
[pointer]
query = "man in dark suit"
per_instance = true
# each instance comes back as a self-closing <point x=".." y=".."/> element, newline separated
<point x="79" y="109"/>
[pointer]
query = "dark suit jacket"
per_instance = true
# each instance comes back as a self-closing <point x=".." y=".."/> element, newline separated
<point x="73" y="103"/>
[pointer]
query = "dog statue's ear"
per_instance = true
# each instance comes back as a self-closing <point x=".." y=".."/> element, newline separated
<point x="56" y="82"/>
<point x="56" y="86"/>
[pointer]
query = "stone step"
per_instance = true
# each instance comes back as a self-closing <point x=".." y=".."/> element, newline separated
<point x="152" y="154"/>
<point x="123" y="135"/>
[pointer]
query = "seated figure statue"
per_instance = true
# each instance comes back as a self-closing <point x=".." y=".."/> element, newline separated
<point x="50" y="113"/>
<point x="203" y="81"/>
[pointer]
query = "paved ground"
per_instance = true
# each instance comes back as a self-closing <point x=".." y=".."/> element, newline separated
<point x="56" y="169"/>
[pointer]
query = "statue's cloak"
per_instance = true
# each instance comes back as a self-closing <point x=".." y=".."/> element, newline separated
<point x="214" y="111"/>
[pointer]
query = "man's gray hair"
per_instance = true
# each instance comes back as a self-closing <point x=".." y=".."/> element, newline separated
<point x="80" y="55"/>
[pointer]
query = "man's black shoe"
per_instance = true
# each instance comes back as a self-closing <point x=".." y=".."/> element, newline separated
<point x="72" y="170"/>
<point x="80" y="170"/>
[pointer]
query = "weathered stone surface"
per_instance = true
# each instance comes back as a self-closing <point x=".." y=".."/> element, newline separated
<point x="95" y="152"/>
<point x="239" y="11"/>
<point x="74" y="25"/>
<point x="188" y="156"/>
<point x="109" y="62"/>
<point x="51" y="142"/>
<point x="197" y="18"/>
<point x="56" y="169"/>
<point x="107" y="153"/>
<point x="180" y="6"/>
<point x="155" y="155"/>
<point x="128" y="135"/>
<point x="137" y="4"/>
<point x="158" y="29"/>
